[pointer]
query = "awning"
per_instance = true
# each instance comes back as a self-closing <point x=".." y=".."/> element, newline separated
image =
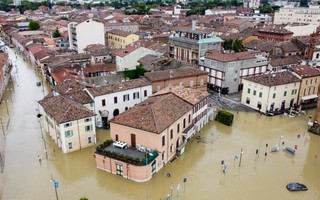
<point x="313" y="96"/>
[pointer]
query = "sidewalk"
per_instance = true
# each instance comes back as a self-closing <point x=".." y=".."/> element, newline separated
<point x="228" y="102"/>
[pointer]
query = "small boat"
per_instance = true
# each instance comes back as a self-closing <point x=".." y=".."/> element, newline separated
<point x="290" y="150"/>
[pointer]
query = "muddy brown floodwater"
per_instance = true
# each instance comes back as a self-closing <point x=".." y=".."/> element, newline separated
<point x="259" y="177"/>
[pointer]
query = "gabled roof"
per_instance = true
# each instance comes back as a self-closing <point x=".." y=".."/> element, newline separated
<point x="223" y="57"/>
<point x="63" y="110"/>
<point x="127" y="85"/>
<point x="273" y="79"/>
<point x="174" y="73"/>
<point x="305" y="71"/>
<point x="155" y="114"/>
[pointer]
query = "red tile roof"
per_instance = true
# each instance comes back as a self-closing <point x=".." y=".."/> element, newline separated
<point x="222" y="57"/>
<point x="63" y="110"/>
<point x="154" y="114"/>
<point x="305" y="71"/>
<point x="273" y="79"/>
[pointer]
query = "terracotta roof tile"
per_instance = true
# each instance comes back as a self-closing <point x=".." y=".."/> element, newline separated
<point x="154" y="114"/>
<point x="119" y="32"/>
<point x="273" y="79"/>
<point x="305" y="71"/>
<point x="173" y="73"/>
<point x="222" y="57"/>
<point x="135" y="83"/>
<point x="63" y="110"/>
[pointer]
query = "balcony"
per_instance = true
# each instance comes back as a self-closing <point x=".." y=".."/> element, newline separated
<point x="189" y="132"/>
<point x="128" y="155"/>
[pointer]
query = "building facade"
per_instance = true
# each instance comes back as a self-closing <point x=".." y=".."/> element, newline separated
<point x="274" y="33"/>
<point x="70" y="124"/>
<point x="112" y="100"/>
<point x="80" y="38"/>
<point x="290" y="14"/>
<point x="190" y="45"/>
<point x="184" y="76"/>
<point x="271" y="93"/>
<point x="226" y="71"/>
<point x="310" y="79"/>
<point x="118" y="39"/>
<point x="153" y="131"/>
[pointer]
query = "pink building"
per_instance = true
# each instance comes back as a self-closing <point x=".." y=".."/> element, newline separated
<point x="151" y="133"/>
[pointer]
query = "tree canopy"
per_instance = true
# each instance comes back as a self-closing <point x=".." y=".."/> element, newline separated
<point x="56" y="33"/>
<point x="304" y="3"/>
<point x="34" y="25"/>
<point x="235" y="45"/>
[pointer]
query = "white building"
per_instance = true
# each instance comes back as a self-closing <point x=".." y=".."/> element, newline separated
<point x="110" y="101"/>
<point x="70" y="124"/>
<point x="270" y="93"/>
<point x="226" y="71"/>
<point x="127" y="59"/>
<point x="83" y="34"/>
<point x="256" y="17"/>
<point x="219" y="11"/>
<point x="291" y="14"/>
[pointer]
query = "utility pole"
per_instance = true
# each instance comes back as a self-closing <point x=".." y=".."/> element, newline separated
<point x="240" y="158"/>
<point x="55" y="185"/>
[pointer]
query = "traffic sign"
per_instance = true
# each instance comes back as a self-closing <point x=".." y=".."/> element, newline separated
<point x="184" y="180"/>
<point x="56" y="184"/>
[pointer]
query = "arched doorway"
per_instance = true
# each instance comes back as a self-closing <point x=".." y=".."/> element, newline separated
<point x="291" y="103"/>
<point x="116" y="112"/>
<point x="283" y="105"/>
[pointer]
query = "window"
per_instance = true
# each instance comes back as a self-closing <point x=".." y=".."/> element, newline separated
<point x="181" y="83"/>
<point x="91" y="105"/>
<point x="201" y="81"/>
<point x="311" y="81"/>
<point x="88" y="128"/>
<point x="260" y="94"/>
<point x="316" y="80"/>
<point x="87" y="120"/>
<point x="189" y="118"/>
<point x="136" y="95"/>
<point x="126" y="97"/>
<point x="89" y="140"/>
<point x="178" y="128"/>
<point x="184" y="122"/>
<point x="103" y="102"/>
<point x="254" y="92"/>
<point x="285" y="93"/>
<point x="171" y="148"/>
<point x="191" y="83"/>
<point x="115" y="100"/>
<point x="171" y="133"/>
<point x="163" y="140"/>
<point x="274" y="95"/>
<point x="145" y="93"/>
<point x="248" y="90"/>
<point x="69" y="133"/>
<point x="70" y="145"/>
<point x="306" y="82"/>
<point x="292" y="92"/>
<point x="158" y="88"/>
<point x="67" y="125"/>
<point x="162" y="156"/>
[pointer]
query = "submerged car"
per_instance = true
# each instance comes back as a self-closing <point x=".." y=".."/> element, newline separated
<point x="296" y="187"/>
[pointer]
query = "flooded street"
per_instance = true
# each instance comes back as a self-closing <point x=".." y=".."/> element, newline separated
<point x="263" y="177"/>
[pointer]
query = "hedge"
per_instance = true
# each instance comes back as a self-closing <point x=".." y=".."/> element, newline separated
<point x="225" y="117"/>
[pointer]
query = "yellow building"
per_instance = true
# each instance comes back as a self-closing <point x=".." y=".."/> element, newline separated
<point x="70" y="124"/>
<point x="118" y="39"/>
<point x="310" y="79"/>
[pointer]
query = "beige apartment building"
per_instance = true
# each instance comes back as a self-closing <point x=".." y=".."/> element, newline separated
<point x="290" y="14"/>
<point x="270" y="93"/>
<point x="310" y="79"/>
<point x="70" y="124"/>
<point x="118" y="39"/>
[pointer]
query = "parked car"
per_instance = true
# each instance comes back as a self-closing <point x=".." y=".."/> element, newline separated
<point x="296" y="187"/>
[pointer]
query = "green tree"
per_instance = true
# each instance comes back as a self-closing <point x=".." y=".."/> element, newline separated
<point x="304" y="3"/>
<point x="56" y="33"/>
<point x="34" y="25"/>
<point x="237" y="46"/>
<point x="266" y="9"/>
<point x="84" y="198"/>
<point x="227" y="44"/>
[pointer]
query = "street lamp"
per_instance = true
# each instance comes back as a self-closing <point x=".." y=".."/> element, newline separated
<point x="55" y="185"/>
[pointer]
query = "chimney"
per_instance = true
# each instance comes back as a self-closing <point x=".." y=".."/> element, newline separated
<point x="193" y="23"/>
